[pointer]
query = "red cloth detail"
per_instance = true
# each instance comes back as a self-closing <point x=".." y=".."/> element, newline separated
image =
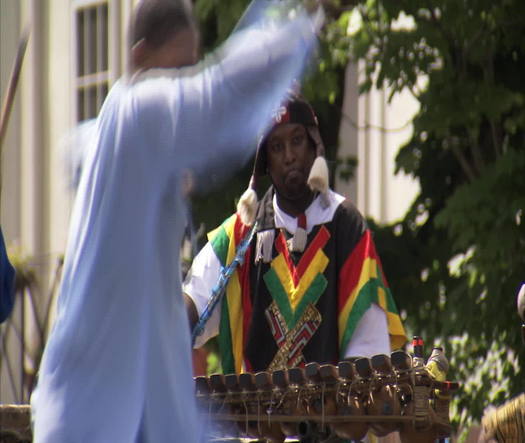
<point x="240" y="231"/>
<point x="317" y="243"/>
<point x="301" y="221"/>
<point x="351" y="270"/>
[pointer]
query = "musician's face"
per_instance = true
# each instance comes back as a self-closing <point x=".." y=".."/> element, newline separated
<point x="290" y="156"/>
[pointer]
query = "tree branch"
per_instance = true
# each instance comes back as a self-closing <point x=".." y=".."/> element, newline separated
<point x="476" y="152"/>
<point x="469" y="172"/>
<point x="496" y="145"/>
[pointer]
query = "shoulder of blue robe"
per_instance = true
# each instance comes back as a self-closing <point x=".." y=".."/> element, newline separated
<point x="7" y="282"/>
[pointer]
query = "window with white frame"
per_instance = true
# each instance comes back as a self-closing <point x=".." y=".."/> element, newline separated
<point x="92" y="54"/>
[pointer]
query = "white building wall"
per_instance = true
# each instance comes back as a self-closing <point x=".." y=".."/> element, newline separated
<point x="373" y="130"/>
<point x="36" y="200"/>
<point x="58" y="107"/>
<point x="10" y="210"/>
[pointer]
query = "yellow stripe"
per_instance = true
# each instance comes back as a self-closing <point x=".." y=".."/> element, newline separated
<point x="381" y="295"/>
<point x="227" y="225"/>
<point x="395" y="327"/>
<point x="295" y="294"/>
<point x="234" y="307"/>
<point x="368" y="271"/>
<point x="396" y="330"/>
<point x="233" y="293"/>
<point x="283" y="272"/>
<point x="213" y="234"/>
<point x="317" y="266"/>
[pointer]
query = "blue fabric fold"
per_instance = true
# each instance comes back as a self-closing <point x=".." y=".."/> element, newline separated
<point x="7" y="282"/>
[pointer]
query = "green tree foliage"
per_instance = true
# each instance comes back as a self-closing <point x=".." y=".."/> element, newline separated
<point x="455" y="262"/>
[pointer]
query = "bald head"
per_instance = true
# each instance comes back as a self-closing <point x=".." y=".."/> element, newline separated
<point x="163" y="34"/>
<point x="155" y="21"/>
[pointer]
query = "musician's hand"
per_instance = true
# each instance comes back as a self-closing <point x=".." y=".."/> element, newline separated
<point x="191" y="309"/>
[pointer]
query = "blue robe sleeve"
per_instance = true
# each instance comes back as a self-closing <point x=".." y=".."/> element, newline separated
<point x="220" y="108"/>
<point x="7" y="282"/>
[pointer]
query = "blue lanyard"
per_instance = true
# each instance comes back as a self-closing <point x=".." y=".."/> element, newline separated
<point x="218" y="290"/>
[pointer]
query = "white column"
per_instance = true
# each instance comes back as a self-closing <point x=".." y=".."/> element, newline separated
<point x="10" y="210"/>
<point x="33" y="186"/>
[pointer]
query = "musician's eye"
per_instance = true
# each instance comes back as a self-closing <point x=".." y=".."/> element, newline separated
<point x="298" y="139"/>
<point x="276" y="147"/>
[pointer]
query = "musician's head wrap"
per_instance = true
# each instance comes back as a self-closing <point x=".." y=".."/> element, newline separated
<point x="294" y="110"/>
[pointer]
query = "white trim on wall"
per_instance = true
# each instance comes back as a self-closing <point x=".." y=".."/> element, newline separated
<point x="99" y="68"/>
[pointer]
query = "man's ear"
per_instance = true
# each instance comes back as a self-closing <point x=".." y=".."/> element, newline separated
<point x="139" y="53"/>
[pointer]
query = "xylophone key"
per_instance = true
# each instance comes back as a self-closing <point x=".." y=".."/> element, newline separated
<point x="218" y="396"/>
<point x="264" y="428"/>
<point x="217" y="384"/>
<point x="263" y="381"/>
<point x="202" y="387"/>
<point x="247" y="382"/>
<point x="202" y="391"/>
<point x="235" y="400"/>
<point x="348" y="400"/>
<point x="382" y="365"/>
<point x="270" y="430"/>
<point x="347" y="370"/>
<point x="231" y="381"/>
<point x="363" y="366"/>
<point x="280" y="378"/>
<point x="311" y="371"/>
<point x="247" y="387"/>
<point x="329" y="374"/>
<point x="296" y="376"/>
<point x="316" y="403"/>
<point x="401" y="361"/>
<point x="323" y="398"/>
<point x="384" y="399"/>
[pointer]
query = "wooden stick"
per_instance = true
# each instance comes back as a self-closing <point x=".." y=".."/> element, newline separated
<point x="11" y="89"/>
<point x="319" y="417"/>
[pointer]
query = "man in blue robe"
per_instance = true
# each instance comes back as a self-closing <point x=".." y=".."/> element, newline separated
<point x="111" y="370"/>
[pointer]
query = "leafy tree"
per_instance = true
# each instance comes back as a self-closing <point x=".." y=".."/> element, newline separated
<point x="455" y="262"/>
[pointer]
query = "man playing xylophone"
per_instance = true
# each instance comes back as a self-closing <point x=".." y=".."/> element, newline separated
<point x="311" y="287"/>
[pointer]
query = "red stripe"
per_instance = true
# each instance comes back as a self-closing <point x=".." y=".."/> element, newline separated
<point x="317" y="243"/>
<point x="280" y="245"/>
<point x="301" y="221"/>
<point x="351" y="270"/>
<point x="239" y="232"/>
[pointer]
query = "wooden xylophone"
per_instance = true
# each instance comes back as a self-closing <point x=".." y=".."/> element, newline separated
<point x="382" y="394"/>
